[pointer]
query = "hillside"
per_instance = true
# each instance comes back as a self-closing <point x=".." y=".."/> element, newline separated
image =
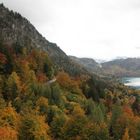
<point x="123" y="67"/>
<point x="46" y="96"/>
<point x="16" y="29"/>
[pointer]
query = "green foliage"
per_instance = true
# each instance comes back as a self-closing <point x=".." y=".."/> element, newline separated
<point x="138" y="132"/>
<point x="33" y="127"/>
<point x="52" y="112"/>
<point x="2" y="103"/>
<point x="89" y="106"/>
<point x="42" y="103"/>
<point x="56" y="94"/>
<point x="57" y="126"/>
<point x="13" y="86"/>
<point x="116" y="113"/>
<point x="97" y="132"/>
<point x="75" y="127"/>
<point x="97" y="115"/>
<point x="136" y="105"/>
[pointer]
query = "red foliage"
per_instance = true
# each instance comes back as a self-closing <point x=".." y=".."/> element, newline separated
<point x="128" y="110"/>
<point x="41" y="77"/>
<point x="3" y="59"/>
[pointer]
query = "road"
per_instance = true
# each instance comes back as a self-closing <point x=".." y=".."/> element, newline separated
<point x="51" y="81"/>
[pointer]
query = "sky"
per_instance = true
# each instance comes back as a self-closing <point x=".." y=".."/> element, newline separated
<point x="99" y="29"/>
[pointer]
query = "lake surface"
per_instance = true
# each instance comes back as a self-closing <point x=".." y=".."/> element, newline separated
<point x="132" y="82"/>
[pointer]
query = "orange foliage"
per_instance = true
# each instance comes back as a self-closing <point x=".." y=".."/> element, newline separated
<point x="7" y="133"/>
<point x="128" y="110"/>
<point x="126" y="135"/>
<point x="67" y="82"/>
<point x="128" y="120"/>
<point x="9" y="117"/>
<point x="41" y="77"/>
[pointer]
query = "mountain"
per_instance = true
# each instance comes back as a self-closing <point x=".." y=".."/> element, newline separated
<point x="16" y="29"/>
<point x="90" y="64"/>
<point x="122" y="67"/>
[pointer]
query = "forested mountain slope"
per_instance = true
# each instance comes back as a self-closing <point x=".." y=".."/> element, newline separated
<point x="16" y="29"/>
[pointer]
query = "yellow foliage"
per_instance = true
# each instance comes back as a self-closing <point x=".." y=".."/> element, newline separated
<point x="42" y="101"/>
<point x="78" y="111"/>
<point x="14" y="79"/>
<point x="126" y="135"/>
<point x="34" y="126"/>
<point x="9" y="117"/>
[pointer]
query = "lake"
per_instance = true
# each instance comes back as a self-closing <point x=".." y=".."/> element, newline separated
<point x="132" y="82"/>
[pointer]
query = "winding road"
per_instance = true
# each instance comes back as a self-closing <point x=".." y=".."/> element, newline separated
<point x="51" y="81"/>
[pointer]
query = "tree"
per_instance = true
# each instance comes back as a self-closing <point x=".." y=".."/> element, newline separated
<point x="126" y="135"/>
<point x="97" y="115"/>
<point x="57" y="126"/>
<point x="136" y="105"/>
<point x="52" y="112"/>
<point x="42" y="103"/>
<point x="96" y="131"/>
<point x="13" y="86"/>
<point x="9" y="117"/>
<point x="56" y="94"/>
<point x="3" y="61"/>
<point x="48" y="67"/>
<point x="90" y="105"/>
<point x="96" y="112"/>
<point x="8" y="133"/>
<point x="116" y="113"/>
<point x="68" y="83"/>
<point x="7" y="58"/>
<point x="33" y="127"/>
<point x="138" y="132"/>
<point x="2" y="84"/>
<point x="2" y="103"/>
<point x="74" y="128"/>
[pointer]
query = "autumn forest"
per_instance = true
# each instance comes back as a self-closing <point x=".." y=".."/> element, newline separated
<point x="42" y="98"/>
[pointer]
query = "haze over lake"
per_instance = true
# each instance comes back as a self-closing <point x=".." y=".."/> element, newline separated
<point x="132" y="82"/>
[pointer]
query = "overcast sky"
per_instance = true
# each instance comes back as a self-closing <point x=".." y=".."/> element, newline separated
<point x="101" y="29"/>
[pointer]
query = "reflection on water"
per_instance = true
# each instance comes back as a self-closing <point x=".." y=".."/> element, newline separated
<point x="132" y="82"/>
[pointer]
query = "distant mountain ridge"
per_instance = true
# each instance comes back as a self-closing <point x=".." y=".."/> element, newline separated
<point x="118" y="67"/>
<point x="123" y="67"/>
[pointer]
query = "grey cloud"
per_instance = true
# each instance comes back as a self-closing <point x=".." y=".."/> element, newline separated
<point x="138" y="47"/>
